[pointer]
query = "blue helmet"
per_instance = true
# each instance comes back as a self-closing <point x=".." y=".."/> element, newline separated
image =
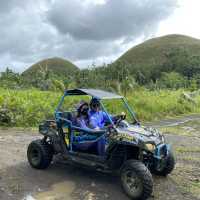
<point x="94" y="102"/>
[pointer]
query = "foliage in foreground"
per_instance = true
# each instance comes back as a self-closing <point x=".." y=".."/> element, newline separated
<point x="27" y="108"/>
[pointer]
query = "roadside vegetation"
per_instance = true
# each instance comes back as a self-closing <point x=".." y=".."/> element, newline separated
<point x="27" y="108"/>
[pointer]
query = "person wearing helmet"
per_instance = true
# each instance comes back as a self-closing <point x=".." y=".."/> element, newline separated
<point x="98" y="118"/>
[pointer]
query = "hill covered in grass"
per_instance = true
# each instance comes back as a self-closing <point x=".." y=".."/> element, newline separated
<point x="56" y="66"/>
<point x="157" y="50"/>
<point x="149" y="59"/>
<point x="171" y="61"/>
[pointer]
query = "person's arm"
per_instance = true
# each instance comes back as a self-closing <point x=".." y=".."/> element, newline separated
<point x="113" y="118"/>
<point x="81" y="123"/>
<point x="106" y="118"/>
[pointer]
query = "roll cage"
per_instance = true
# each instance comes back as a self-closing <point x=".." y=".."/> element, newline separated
<point x="100" y="95"/>
<point x="63" y="119"/>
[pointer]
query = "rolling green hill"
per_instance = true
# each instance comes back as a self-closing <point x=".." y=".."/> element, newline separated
<point x="156" y="50"/>
<point x="57" y="66"/>
<point x="145" y="63"/>
<point x="163" y="54"/>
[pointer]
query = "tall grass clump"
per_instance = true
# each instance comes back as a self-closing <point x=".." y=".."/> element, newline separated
<point x="28" y="107"/>
<point x="152" y="105"/>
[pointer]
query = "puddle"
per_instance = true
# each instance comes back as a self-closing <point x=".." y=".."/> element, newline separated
<point x="59" y="191"/>
<point x="28" y="197"/>
<point x="188" y="128"/>
<point x="173" y="122"/>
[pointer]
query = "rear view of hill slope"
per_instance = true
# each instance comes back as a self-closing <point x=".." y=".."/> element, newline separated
<point x="57" y="66"/>
<point x="163" y="54"/>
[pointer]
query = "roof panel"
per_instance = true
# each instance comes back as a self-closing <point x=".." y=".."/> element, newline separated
<point x="100" y="94"/>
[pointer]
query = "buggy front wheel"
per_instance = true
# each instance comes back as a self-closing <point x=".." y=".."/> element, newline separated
<point x="136" y="180"/>
<point x="39" y="154"/>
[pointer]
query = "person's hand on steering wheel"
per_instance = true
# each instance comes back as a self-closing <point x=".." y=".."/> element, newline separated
<point x="120" y="118"/>
<point x="123" y="115"/>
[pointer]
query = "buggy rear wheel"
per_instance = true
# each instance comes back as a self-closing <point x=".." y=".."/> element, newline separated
<point x="39" y="154"/>
<point x="136" y="180"/>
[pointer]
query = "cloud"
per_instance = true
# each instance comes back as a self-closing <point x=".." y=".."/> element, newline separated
<point x="25" y="37"/>
<point x="78" y="30"/>
<point x="112" y="20"/>
<point x="8" y="5"/>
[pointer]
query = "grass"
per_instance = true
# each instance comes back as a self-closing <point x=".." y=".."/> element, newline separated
<point x="176" y="131"/>
<point x="185" y="149"/>
<point x="187" y="179"/>
<point x="190" y="128"/>
<point x="29" y="107"/>
<point x="190" y="158"/>
<point x="155" y="105"/>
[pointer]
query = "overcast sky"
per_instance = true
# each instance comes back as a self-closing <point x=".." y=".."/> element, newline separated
<point x="87" y="31"/>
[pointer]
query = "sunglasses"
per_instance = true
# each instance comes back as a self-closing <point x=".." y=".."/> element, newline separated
<point x="95" y="105"/>
<point x="84" y="108"/>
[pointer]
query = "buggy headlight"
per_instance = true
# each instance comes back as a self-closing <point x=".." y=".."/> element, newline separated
<point x="150" y="147"/>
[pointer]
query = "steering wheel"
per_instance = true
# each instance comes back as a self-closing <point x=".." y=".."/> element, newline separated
<point x="118" y="122"/>
<point x="120" y="118"/>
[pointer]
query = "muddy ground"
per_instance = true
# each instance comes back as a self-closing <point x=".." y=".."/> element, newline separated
<point x="18" y="181"/>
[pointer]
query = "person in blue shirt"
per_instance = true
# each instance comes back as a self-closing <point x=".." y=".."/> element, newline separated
<point x="95" y="118"/>
<point x="98" y="118"/>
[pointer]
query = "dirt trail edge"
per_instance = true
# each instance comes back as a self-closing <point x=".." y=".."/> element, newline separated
<point x="18" y="181"/>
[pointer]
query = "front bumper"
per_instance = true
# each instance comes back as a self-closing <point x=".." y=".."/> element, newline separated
<point x="162" y="151"/>
<point x="161" y="156"/>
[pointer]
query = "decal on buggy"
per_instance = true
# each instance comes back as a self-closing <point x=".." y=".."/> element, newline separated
<point x="66" y="132"/>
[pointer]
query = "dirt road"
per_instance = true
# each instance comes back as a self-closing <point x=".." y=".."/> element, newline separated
<point x="18" y="181"/>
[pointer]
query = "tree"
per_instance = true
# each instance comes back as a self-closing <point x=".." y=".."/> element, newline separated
<point x="172" y="80"/>
<point x="10" y="79"/>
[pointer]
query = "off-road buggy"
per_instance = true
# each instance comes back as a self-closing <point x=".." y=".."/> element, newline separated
<point x="131" y="150"/>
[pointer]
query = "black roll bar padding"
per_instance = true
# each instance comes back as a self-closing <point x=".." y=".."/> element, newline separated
<point x="76" y="128"/>
<point x="66" y="120"/>
<point x="90" y="131"/>
<point x="98" y="133"/>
